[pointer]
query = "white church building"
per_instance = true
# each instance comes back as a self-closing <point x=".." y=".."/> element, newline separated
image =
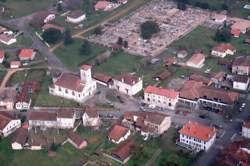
<point x="73" y="87"/>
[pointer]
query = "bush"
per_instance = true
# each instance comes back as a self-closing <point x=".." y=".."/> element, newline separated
<point x="149" y="28"/>
<point x="52" y="35"/>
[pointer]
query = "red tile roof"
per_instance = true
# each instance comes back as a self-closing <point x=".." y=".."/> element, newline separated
<point x="196" y="58"/>
<point x="86" y="67"/>
<point x="70" y="81"/>
<point x="198" y="130"/>
<point x="247" y="124"/>
<point x="235" y="32"/>
<point x="102" y="77"/>
<point x="91" y="112"/>
<point x="162" y="92"/>
<point x="26" y="53"/>
<point x="65" y="113"/>
<point x="223" y="47"/>
<point x="43" y="116"/>
<point x="48" y="26"/>
<point x="76" y="139"/>
<point x="117" y="132"/>
<point x="101" y="5"/>
<point x="199" y="78"/>
<point x="242" y="61"/>
<point x="5" y="118"/>
<point x="128" y="78"/>
<point x="124" y="150"/>
<point x="1" y="54"/>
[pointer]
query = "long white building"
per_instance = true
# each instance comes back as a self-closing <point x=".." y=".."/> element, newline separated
<point x="8" y="124"/>
<point x="197" y="136"/>
<point x="161" y="97"/>
<point x="73" y="87"/>
<point x="63" y="119"/>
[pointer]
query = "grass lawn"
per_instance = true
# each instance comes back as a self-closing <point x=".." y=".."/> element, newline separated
<point x="21" y="42"/>
<point x="2" y="74"/>
<point x="18" y="8"/>
<point x="70" y="55"/>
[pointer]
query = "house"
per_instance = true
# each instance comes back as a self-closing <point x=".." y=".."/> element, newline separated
<point x="7" y="39"/>
<point x="219" y="18"/>
<point x="124" y="151"/>
<point x="128" y="84"/>
<point x="241" y="65"/>
<point x="27" y="54"/>
<point x="103" y="79"/>
<point x="91" y="118"/>
<point x="219" y="80"/>
<point x="223" y="50"/>
<point x="20" y="139"/>
<point x="76" y="17"/>
<point x="160" y="97"/>
<point x="44" y="17"/>
<point x="76" y="140"/>
<point x="104" y="5"/>
<point x="118" y="134"/>
<point x="235" y="33"/>
<point x="196" y="61"/>
<point x="15" y="64"/>
<point x="73" y="87"/>
<point x="197" y="136"/>
<point x="237" y="153"/>
<point x="7" y="98"/>
<point x="247" y="41"/>
<point x="200" y="78"/>
<point x="23" y="101"/>
<point x="182" y="54"/>
<point x="241" y="24"/>
<point x="122" y="2"/>
<point x="8" y="124"/>
<point x="62" y="119"/>
<point x="48" y="26"/>
<point x="195" y="95"/>
<point x="163" y="75"/>
<point x="147" y="123"/>
<point x="241" y="82"/>
<point x="2" y="56"/>
<point x="246" y="129"/>
<point x="169" y="61"/>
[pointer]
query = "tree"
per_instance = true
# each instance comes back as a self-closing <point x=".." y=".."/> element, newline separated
<point x="52" y="35"/>
<point x="223" y="35"/>
<point x="97" y="31"/>
<point x="67" y="37"/>
<point x="149" y="28"/>
<point x="59" y="7"/>
<point x="181" y="6"/>
<point x="120" y="41"/>
<point x="125" y="44"/>
<point x="88" y="7"/>
<point x="85" y="48"/>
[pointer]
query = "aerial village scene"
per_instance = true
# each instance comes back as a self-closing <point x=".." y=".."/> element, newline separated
<point x="124" y="83"/>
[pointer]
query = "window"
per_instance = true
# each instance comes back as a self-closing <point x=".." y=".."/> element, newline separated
<point x="60" y="89"/>
<point x="66" y="91"/>
<point x="73" y="93"/>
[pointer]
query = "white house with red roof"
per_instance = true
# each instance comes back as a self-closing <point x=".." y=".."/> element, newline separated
<point x="8" y="124"/>
<point x="2" y="56"/>
<point x="104" y="5"/>
<point x="164" y="98"/>
<point x="118" y="134"/>
<point x="91" y="118"/>
<point x="15" y="64"/>
<point x="74" y="87"/>
<point x="27" y="54"/>
<point x="246" y="129"/>
<point x="128" y="84"/>
<point x="7" y="39"/>
<point x="197" y="136"/>
<point x="223" y="50"/>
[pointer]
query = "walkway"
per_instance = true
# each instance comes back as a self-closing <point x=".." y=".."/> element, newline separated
<point x="8" y="75"/>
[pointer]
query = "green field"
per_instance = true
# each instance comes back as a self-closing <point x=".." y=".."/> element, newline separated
<point x="70" y="55"/>
<point x="18" y="8"/>
<point x="2" y="74"/>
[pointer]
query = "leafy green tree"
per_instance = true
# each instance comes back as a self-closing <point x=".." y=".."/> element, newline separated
<point x="68" y="37"/>
<point x="88" y="7"/>
<point x="85" y="48"/>
<point x="120" y="41"/>
<point x="223" y="35"/>
<point x="125" y="44"/>
<point x="97" y="31"/>
<point x="149" y="28"/>
<point x="52" y="35"/>
<point x="59" y="7"/>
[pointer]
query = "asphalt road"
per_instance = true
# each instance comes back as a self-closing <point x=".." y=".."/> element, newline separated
<point x="207" y="158"/>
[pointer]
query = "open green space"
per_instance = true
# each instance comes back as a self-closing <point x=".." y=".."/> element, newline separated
<point x="2" y="74"/>
<point x="235" y="7"/>
<point x="71" y="57"/>
<point x="18" y="8"/>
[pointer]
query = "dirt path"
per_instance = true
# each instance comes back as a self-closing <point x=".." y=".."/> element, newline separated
<point x="116" y="16"/>
<point x="8" y="76"/>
